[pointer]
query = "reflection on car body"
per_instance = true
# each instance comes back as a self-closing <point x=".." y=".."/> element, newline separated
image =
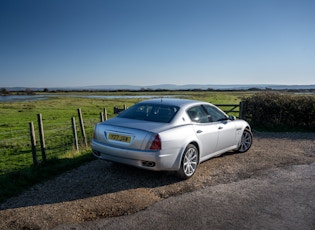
<point x="170" y="134"/>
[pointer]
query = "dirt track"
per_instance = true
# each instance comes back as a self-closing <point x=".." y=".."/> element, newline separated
<point x="101" y="189"/>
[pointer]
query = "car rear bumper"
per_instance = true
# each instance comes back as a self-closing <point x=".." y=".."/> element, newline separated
<point x="163" y="160"/>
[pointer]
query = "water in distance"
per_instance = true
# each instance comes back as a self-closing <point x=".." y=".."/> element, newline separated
<point x="20" y="98"/>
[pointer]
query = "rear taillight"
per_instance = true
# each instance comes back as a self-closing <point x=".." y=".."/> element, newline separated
<point x="156" y="143"/>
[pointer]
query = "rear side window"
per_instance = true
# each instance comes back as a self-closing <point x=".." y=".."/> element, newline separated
<point x="205" y="114"/>
<point x="150" y="112"/>
<point x="198" y="114"/>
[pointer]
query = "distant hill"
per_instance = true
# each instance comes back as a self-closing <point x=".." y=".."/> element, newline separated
<point x="172" y="87"/>
<point x="199" y="86"/>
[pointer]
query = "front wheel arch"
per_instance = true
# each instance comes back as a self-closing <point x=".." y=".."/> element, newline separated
<point x="189" y="161"/>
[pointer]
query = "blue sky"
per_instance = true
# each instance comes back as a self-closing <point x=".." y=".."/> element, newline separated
<point x="63" y="43"/>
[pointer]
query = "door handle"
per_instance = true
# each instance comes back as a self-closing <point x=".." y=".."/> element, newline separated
<point x="199" y="131"/>
<point x="220" y="127"/>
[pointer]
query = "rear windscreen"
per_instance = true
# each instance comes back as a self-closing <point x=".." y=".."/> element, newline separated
<point x="151" y="112"/>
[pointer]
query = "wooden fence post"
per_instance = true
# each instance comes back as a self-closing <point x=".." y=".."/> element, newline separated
<point x="75" y="136"/>
<point x="33" y="143"/>
<point x="82" y="127"/>
<point x="41" y="136"/>
<point x="105" y="114"/>
<point x="242" y="110"/>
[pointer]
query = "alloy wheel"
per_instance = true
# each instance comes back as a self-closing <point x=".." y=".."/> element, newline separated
<point x="246" y="141"/>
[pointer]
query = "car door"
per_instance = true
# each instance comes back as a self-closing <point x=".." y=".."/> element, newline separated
<point x="226" y="128"/>
<point x="226" y="135"/>
<point x="206" y="132"/>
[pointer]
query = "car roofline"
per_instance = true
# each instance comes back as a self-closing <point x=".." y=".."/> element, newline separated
<point x="171" y="101"/>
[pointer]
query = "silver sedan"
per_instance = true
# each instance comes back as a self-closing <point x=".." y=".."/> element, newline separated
<point x="170" y="135"/>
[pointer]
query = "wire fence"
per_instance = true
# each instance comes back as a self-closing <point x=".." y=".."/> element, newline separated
<point x="14" y="151"/>
<point x="16" y="147"/>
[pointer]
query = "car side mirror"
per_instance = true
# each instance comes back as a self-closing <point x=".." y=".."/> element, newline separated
<point x="232" y="118"/>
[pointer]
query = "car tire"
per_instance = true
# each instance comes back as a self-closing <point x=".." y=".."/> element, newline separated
<point x="246" y="141"/>
<point x="189" y="162"/>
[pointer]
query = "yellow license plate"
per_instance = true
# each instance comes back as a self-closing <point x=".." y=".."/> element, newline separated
<point x="117" y="137"/>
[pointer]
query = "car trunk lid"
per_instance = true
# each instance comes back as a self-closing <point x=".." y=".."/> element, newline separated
<point x="128" y="133"/>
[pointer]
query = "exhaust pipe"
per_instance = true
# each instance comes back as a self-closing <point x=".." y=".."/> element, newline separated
<point x="148" y="164"/>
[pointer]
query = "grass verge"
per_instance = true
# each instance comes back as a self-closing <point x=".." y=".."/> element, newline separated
<point x="13" y="183"/>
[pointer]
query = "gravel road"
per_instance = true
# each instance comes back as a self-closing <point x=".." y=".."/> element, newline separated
<point x="99" y="191"/>
<point x="276" y="199"/>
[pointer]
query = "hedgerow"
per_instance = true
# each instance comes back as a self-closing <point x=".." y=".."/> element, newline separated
<point x="280" y="112"/>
